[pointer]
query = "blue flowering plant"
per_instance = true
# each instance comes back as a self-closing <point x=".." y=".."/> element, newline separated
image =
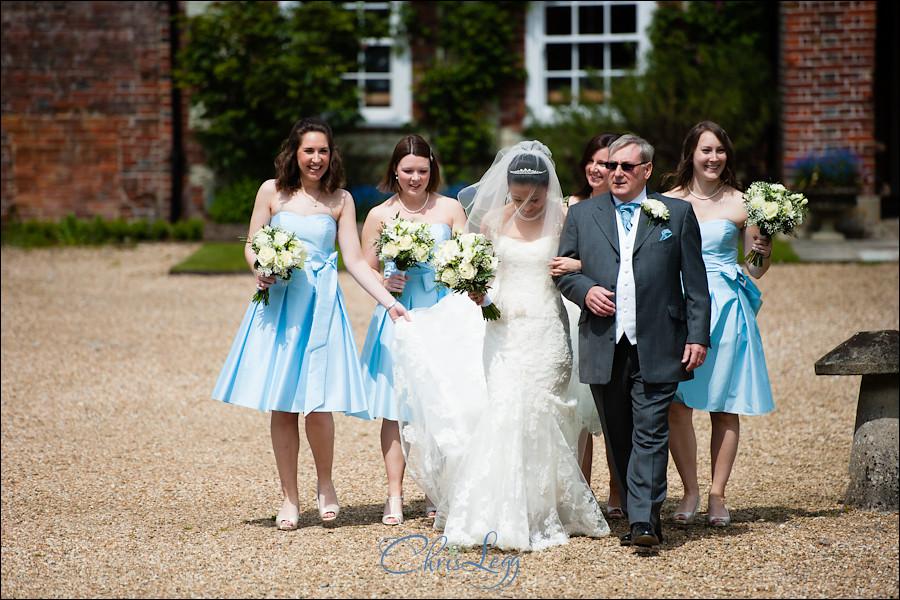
<point x="831" y="168"/>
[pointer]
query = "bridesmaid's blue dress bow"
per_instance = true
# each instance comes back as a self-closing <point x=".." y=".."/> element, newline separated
<point x="324" y="267"/>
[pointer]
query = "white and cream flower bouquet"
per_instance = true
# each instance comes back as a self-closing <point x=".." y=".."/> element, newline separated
<point x="278" y="252"/>
<point x="774" y="209"/>
<point x="466" y="263"/>
<point x="405" y="243"/>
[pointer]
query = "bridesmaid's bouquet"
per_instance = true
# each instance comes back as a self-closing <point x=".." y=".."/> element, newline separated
<point x="774" y="209"/>
<point x="278" y="252"/>
<point x="466" y="263"/>
<point x="405" y="243"/>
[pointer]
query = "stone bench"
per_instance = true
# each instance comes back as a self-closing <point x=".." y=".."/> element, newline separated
<point x="874" y="457"/>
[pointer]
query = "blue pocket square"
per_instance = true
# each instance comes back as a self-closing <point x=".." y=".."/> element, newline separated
<point x="666" y="234"/>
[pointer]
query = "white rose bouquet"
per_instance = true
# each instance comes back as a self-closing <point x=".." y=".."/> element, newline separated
<point x="466" y="263"/>
<point x="405" y="243"/>
<point x="278" y="252"/>
<point x="774" y="209"/>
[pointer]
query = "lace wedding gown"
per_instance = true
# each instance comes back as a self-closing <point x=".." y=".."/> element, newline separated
<point x="494" y="442"/>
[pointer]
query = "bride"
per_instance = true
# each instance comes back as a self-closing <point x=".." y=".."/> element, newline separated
<point x="493" y="442"/>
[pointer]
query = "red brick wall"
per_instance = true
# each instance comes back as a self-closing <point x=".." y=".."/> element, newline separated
<point x="87" y="111"/>
<point x="828" y="69"/>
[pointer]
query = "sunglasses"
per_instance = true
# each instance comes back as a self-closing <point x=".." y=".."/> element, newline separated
<point x="627" y="167"/>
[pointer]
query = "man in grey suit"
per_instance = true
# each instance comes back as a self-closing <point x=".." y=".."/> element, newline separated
<point x="644" y="322"/>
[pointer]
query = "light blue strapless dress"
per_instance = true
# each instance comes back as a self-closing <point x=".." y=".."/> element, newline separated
<point x="298" y="354"/>
<point x="734" y="378"/>
<point x="377" y="365"/>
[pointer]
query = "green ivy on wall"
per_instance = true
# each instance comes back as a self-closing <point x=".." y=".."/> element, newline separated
<point x="252" y="69"/>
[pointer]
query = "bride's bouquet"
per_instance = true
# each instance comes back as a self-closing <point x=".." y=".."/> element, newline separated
<point x="405" y="243"/>
<point x="466" y="263"/>
<point x="278" y="252"/>
<point x="774" y="209"/>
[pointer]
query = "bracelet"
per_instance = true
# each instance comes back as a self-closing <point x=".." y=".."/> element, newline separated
<point x="391" y="306"/>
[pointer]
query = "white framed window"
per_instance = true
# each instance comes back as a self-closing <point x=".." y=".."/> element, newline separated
<point x="384" y="77"/>
<point x="568" y="42"/>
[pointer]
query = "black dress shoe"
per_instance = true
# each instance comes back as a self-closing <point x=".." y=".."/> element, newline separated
<point x="625" y="540"/>
<point x="642" y="534"/>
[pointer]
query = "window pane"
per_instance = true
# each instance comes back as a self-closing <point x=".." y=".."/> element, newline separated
<point x="623" y="18"/>
<point x="559" y="90"/>
<point x="590" y="19"/>
<point x="590" y="56"/>
<point x="378" y="92"/>
<point x="558" y="20"/>
<point x="592" y="90"/>
<point x="378" y="59"/>
<point x="559" y="57"/>
<point x="623" y="55"/>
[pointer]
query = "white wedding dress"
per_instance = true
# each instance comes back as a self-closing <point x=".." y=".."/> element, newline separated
<point x="494" y="442"/>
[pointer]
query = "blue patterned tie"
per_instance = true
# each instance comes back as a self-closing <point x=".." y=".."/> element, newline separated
<point x="626" y="209"/>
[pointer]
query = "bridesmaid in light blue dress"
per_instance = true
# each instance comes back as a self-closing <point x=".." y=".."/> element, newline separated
<point x="297" y="354"/>
<point x="412" y="176"/>
<point x="733" y="380"/>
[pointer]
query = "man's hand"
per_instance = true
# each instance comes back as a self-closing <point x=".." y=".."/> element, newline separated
<point x="598" y="301"/>
<point x="694" y="355"/>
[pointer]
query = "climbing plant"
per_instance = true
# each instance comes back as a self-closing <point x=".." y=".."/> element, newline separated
<point x="463" y="80"/>
<point x="252" y="69"/>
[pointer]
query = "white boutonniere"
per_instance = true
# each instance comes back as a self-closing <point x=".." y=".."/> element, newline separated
<point x="656" y="210"/>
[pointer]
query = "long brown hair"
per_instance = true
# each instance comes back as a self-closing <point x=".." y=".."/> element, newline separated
<point x="287" y="170"/>
<point x="685" y="170"/>
<point x="599" y="141"/>
<point x="417" y="146"/>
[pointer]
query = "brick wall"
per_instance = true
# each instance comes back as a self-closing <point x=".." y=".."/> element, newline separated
<point x="87" y="112"/>
<point x="828" y="69"/>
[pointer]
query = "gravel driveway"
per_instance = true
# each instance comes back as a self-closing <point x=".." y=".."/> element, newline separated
<point x="121" y="477"/>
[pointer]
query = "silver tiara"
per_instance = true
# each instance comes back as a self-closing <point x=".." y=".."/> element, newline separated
<point x="527" y="171"/>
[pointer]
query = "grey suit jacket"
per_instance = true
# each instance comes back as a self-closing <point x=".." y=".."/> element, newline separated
<point x="671" y="291"/>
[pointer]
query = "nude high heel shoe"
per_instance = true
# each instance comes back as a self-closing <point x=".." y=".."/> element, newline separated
<point x="332" y="509"/>
<point x="430" y="509"/>
<point x="721" y="521"/>
<point x="289" y="521"/>
<point x="686" y="518"/>
<point x="391" y="515"/>
<point x="614" y="512"/>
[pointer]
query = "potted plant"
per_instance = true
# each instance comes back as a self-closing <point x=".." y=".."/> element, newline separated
<point x="830" y="179"/>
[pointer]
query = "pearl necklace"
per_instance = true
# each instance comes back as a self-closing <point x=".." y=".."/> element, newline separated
<point x="534" y="218"/>
<point x="418" y="210"/>
<point x="713" y="195"/>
